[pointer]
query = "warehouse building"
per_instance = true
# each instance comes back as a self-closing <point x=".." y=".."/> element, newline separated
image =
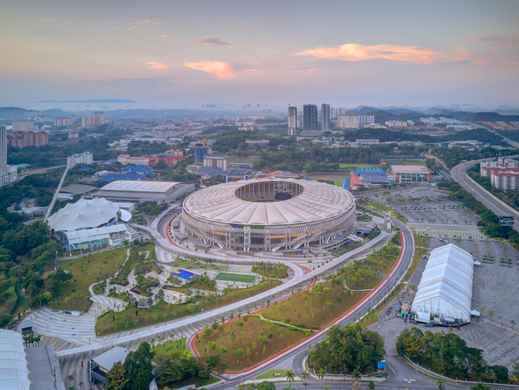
<point x="444" y="294"/>
<point x="405" y="174"/>
<point x="144" y="191"/>
<point x="14" y="371"/>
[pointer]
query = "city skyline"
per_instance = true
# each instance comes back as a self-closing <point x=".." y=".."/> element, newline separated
<point x="184" y="55"/>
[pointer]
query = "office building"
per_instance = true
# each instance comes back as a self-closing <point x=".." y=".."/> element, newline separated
<point x="7" y="174"/>
<point x="325" y="117"/>
<point x="85" y="158"/>
<point x="3" y="147"/>
<point x="292" y="120"/>
<point x="199" y="152"/>
<point x="310" y="117"/>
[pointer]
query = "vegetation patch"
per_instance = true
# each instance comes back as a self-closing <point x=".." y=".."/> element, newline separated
<point x="447" y="354"/>
<point x="314" y="308"/>
<point x="232" y="277"/>
<point x="270" y="270"/>
<point x="85" y="271"/>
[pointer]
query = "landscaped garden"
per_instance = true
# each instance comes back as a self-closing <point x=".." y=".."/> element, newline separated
<point x="85" y="271"/>
<point x="244" y="342"/>
<point x="132" y="317"/>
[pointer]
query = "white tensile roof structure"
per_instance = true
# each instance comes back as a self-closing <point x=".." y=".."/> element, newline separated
<point x="445" y="290"/>
<point x="14" y="374"/>
<point x="140" y="186"/>
<point x="83" y="214"/>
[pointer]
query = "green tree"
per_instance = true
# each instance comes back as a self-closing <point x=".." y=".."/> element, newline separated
<point x="115" y="378"/>
<point x="138" y="367"/>
<point x="480" y="386"/>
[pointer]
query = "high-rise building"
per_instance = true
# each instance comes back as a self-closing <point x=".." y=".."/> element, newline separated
<point x="354" y="121"/>
<point x="325" y="117"/>
<point x="310" y="117"/>
<point x="292" y="120"/>
<point x="3" y="147"/>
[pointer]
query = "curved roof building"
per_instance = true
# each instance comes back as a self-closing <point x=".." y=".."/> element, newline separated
<point x="444" y="294"/>
<point x="84" y="214"/>
<point x="267" y="214"/>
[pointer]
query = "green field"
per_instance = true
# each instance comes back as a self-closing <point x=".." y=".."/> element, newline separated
<point x="356" y="165"/>
<point x="232" y="277"/>
<point x="85" y="271"/>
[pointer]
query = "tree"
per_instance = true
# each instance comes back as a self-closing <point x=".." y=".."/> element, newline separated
<point x="480" y="386"/>
<point x="115" y="378"/>
<point x="266" y="386"/>
<point x="371" y="385"/>
<point x="138" y="367"/>
<point x="290" y="376"/>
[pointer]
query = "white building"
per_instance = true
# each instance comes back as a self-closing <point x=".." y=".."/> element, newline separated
<point x="8" y="174"/>
<point x="144" y="191"/>
<point x="91" y="224"/>
<point x="354" y="121"/>
<point x="444" y="294"/>
<point x="14" y="371"/>
<point x="218" y="162"/>
<point x="292" y="120"/>
<point x="86" y="158"/>
<point x="500" y="163"/>
<point x="405" y="174"/>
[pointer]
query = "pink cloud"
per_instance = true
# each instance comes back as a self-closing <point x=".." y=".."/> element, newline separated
<point x="219" y="69"/>
<point x="214" y="41"/>
<point x="355" y="52"/>
<point x="157" y="66"/>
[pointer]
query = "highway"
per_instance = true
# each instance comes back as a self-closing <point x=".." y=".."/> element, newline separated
<point x="496" y="205"/>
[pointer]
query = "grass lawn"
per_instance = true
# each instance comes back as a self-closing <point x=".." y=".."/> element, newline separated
<point x="243" y="343"/>
<point x="274" y="373"/>
<point x="87" y="270"/>
<point x="130" y="318"/>
<point x="137" y="259"/>
<point x="232" y="277"/>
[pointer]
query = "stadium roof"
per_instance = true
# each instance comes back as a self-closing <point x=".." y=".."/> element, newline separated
<point x="14" y="374"/>
<point x="316" y="202"/>
<point x="445" y="289"/>
<point x="83" y="214"/>
<point x="140" y="186"/>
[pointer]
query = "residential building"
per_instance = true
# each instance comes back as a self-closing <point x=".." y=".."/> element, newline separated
<point x="23" y="126"/>
<point x="292" y="120"/>
<point x="405" y="174"/>
<point x="500" y="163"/>
<point x="170" y="158"/>
<point x="310" y="117"/>
<point x="505" y="179"/>
<point x="199" y="152"/>
<point x="97" y="119"/>
<point x="215" y="162"/>
<point x="3" y="147"/>
<point x="8" y="174"/>
<point x="85" y="158"/>
<point x="63" y="122"/>
<point x="28" y="138"/>
<point x="354" y="121"/>
<point x="325" y="117"/>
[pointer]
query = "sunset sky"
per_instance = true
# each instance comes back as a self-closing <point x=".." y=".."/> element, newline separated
<point x="177" y="53"/>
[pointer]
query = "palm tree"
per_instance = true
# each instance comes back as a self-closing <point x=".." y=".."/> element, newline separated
<point x="304" y="376"/>
<point x="290" y="376"/>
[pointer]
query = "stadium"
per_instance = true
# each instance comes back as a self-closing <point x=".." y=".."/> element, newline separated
<point x="267" y="215"/>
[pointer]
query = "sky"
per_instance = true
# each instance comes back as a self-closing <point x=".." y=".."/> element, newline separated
<point x="176" y="53"/>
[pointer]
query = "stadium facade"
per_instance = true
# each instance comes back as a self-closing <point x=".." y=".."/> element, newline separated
<point x="267" y="215"/>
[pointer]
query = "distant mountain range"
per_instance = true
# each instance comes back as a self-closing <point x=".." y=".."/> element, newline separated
<point x="381" y="114"/>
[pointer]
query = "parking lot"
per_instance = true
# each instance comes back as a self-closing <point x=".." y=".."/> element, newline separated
<point x="496" y="280"/>
<point x="426" y="204"/>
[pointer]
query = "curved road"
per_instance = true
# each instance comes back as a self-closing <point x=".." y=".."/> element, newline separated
<point x="491" y="202"/>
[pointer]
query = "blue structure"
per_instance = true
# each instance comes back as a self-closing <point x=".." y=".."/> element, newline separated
<point x="346" y="183"/>
<point x="131" y="172"/>
<point x="372" y="170"/>
<point x="199" y="152"/>
<point x="372" y="175"/>
<point x="185" y="275"/>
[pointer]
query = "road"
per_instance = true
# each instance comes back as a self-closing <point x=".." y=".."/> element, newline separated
<point x="496" y="205"/>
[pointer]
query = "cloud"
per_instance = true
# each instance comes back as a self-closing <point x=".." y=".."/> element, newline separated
<point x="157" y="66"/>
<point x="355" y="52"/>
<point x="219" y="69"/>
<point x="137" y="23"/>
<point x="214" y="41"/>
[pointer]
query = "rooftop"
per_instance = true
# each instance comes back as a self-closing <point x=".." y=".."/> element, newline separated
<point x="14" y="374"/>
<point x="83" y="214"/>
<point x="109" y="358"/>
<point x="140" y="186"/>
<point x="412" y="169"/>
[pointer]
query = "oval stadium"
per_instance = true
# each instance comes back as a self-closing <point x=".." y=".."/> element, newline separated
<point x="267" y="215"/>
